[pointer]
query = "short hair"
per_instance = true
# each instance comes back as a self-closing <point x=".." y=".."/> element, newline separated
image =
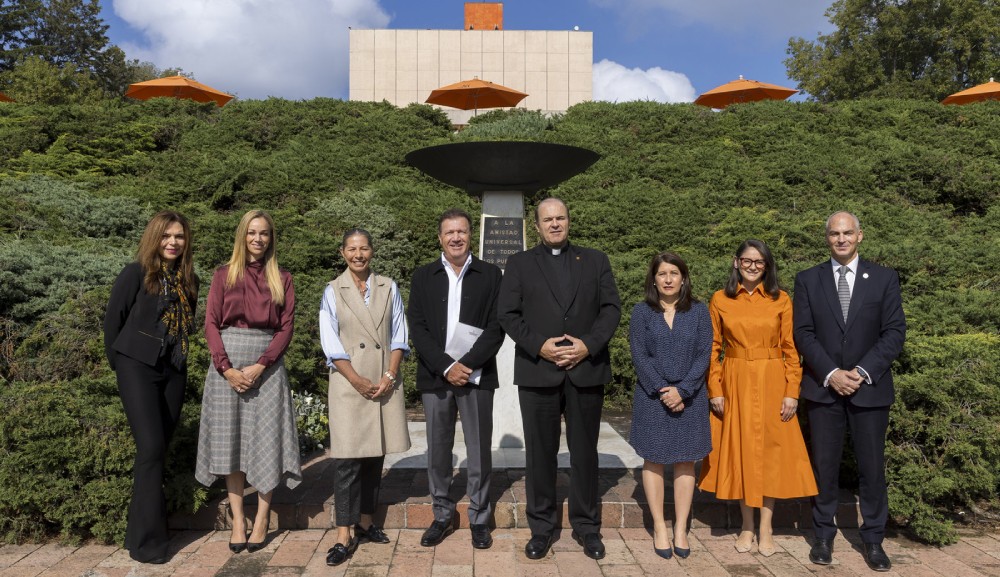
<point x="148" y="253"/>
<point x="857" y="221"/>
<point x="556" y="199"/>
<point x="454" y="213"/>
<point x="685" y="298"/>
<point x="354" y="232"/>
<point x="770" y="280"/>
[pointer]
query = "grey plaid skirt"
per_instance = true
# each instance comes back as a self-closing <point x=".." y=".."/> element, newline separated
<point x="253" y="432"/>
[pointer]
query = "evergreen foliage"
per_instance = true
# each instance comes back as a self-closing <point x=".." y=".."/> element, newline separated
<point x="79" y="182"/>
<point x="899" y="48"/>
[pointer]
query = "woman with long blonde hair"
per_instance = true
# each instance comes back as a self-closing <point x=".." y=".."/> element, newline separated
<point x="149" y="319"/>
<point x="248" y="432"/>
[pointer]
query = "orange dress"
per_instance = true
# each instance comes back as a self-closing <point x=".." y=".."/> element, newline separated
<point x="754" y="454"/>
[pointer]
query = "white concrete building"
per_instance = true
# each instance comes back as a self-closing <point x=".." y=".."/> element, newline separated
<point x="555" y="68"/>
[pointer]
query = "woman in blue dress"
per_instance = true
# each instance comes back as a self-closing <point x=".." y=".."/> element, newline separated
<point x="670" y="335"/>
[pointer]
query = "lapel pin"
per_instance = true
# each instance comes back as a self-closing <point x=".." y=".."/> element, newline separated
<point x="864" y="275"/>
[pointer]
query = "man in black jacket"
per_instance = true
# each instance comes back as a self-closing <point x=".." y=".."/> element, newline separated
<point x="454" y="327"/>
<point x="560" y="305"/>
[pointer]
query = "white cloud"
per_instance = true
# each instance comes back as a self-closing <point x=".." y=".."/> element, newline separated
<point x="615" y="83"/>
<point x="296" y="49"/>
<point x="775" y="19"/>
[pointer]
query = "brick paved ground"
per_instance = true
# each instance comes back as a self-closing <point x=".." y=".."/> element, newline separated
<point x="303" y="552"/>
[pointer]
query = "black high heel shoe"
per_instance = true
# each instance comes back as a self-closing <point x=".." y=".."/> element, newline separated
<point x="254" y="547"/>
<point x="239" y="547"/>
<point x="682" y="553"/>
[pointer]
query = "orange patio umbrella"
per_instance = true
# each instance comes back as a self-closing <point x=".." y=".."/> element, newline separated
<point x="5" y="98"/>
<point x="985" y="91"/>
<point x="177" y="87"/>
<point x="475" y="94"/>
<point x="742" y="90"/>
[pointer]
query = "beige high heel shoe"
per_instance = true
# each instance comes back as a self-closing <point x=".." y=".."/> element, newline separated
<point x="744" y="546"/>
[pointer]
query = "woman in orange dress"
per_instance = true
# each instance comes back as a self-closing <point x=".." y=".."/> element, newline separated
<point x="758" y="454"/>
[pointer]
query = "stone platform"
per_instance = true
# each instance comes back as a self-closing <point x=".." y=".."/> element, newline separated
<point x="405" y="501"/>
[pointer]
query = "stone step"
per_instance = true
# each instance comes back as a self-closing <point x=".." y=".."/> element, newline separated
<point x="406" y="504"/>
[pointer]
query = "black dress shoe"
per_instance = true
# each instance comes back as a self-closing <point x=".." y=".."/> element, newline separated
<point x="875" y="557"/>
<point x="822" y="552"/>
<point x="237" y="547"/>
<point x="436" y="533"/>
<point x="537" y="546"/>
<point x="373" y="533"/>
<point x="481" y="538"/>
<point x="591" y="543"/>
<point x="340" y="553"/>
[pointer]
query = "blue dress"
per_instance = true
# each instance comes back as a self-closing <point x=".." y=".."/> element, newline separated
<point x="677" y="357"/>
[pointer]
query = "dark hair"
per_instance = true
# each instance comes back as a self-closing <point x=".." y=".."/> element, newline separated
<point x="354" y="232"/>
<point x="454" y="213"/>
<point x="770" y="280"/>
<point x="557" y="199"/>
<point x="148" y="253"/>
<point x="685" y="298"/>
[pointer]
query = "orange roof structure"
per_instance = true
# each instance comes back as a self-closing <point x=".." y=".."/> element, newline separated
<point x="742" y="90"/>
<point x="985" y="91"/>
<point x="177" y="87"/>
<point x="475" y="94"/>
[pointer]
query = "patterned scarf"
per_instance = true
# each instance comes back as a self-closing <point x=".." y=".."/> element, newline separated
<point x="176" y="315"/>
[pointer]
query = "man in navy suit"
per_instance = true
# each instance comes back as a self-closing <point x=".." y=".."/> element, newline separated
<point x="849" y="328"/>
<point x="453" y="300"/>
<point x="560" y="306"/>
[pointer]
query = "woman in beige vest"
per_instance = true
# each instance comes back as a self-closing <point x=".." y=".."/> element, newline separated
<point x="364" y="337"/>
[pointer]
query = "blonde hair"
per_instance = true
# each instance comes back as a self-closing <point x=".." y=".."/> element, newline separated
<point x="238" y="262"/>
<point x="148" y="253"/>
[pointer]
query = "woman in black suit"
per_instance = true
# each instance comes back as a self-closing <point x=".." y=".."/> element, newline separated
<point x="146" y="328"/>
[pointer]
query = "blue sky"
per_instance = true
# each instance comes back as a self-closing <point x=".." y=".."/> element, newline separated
<point x="664" y="50"/>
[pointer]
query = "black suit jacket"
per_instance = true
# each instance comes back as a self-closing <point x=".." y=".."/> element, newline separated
<point x="427" y="314"/>
<point x="132" y="320"/>
<point x="871" y="338"/>
<point x="531" y="312"/>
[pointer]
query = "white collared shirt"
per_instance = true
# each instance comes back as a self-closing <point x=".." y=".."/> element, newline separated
<point x="455" y="306"/>
<point x="852" y="272"/>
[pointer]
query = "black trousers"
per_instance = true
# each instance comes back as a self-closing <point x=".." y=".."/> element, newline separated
<point x="541" y="408"/>
<point x="152" y="397"/>
<point x="356" y="483"/>
<point x="828" y="424"/>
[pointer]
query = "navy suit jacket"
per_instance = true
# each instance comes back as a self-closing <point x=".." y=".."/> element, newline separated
<point x="871" y="338"/>
<point x="427" y="314"/>
<point x="531" y="312"/>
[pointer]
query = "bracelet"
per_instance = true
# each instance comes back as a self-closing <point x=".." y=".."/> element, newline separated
<point x="391" y="376"/>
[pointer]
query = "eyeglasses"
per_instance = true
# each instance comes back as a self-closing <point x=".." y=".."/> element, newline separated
<point x="748" y="262"/>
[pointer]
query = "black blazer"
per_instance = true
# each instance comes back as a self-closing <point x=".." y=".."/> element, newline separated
<point x="132" y="321"/>
<point x="427" y="314"/>
<point x="871" y="338"/>
<point x="531" y="312"/>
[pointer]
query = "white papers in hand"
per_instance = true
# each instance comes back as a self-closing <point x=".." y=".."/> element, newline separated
<point x="461" y="343"/>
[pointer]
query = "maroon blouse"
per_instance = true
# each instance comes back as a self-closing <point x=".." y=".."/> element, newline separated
<point x="248" y="306"/>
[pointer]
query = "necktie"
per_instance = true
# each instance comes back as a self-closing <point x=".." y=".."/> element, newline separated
<point x="843" y="291"/>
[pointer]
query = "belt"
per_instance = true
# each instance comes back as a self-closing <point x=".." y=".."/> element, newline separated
<point x="753" y="354"/>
